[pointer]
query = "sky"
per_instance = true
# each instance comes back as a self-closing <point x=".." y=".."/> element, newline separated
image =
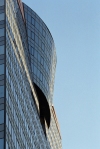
<point x="75" y="27"/>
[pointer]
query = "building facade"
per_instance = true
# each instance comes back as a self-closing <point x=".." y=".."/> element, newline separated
<point x="27" y="68"/>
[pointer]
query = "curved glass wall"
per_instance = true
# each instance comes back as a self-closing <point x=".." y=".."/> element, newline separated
<point x="42" y="52"/>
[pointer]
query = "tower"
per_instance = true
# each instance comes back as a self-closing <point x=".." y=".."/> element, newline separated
<point x="27" y="67"/>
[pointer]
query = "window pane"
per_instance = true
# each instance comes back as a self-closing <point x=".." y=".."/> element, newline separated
<point x="1" y="61"/>
<point x="38" y="73"/>
<point x="1" y="118"/>
<point x="29" y="33"/>
<point x="40" y="42"/>
<point x="1" y="106"/>
<point x="29" y="18"/>
<point x="2" y="49"/>
<point x="1" y="43"/>
<point x="1" y="91"/>
<point x="35" y="54"/>
<point x="32" y="50"/>
<point x="1" y="135"/>
<point x="43" y="33"/>
<point x="32" y="67"/>
<point x="42" y="60"/>
<point x="38" y="57"/>
<point x="1" y="16"/>
<point x="43" y="80"/>
<point x="26" y="15"/>
<point x="32" y="35"/>
<point x="41" y="76"/>
<point x="2" y="32"/>
<point x="1" y="57"/>
<point x="1" y="2"/>
<point x="1" y="69"/>
<point x="1" y="100"/>
<point x="43" y="46"/>
<point x="41" y="29"/>
<point x="35" y="70"/>
<point x="36" y="39"/>
<point x="1" y="77"/>
<point x="2" y="127"/>
<point x="33" y="21"/>
<point x="37" y="25"/>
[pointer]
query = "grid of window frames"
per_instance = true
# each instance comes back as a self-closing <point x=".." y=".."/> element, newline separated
<point x="53" y="133"/>
<point x="2" y="74"/>
<point x="23" y="128"/>
<point x="42" y="49"/>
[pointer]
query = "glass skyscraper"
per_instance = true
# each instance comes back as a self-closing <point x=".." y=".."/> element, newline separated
<point x="27" y="69"/>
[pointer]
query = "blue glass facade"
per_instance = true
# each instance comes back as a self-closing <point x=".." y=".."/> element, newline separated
<point x="27" y="68"/>
<point x="23" y="127"/>
<point x="2" y="72"/>
<point x="42" y="52"/>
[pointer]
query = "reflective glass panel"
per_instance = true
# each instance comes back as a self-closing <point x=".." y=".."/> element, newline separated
<point x="1" y="118"/>
<point x="2" y="69"/>
<point x="29" y="18"/>
<point x="43" y="33"/>
<point x="42" y="60"/>
<point x="32" y="35"/>
<point x="2" y="49"/>
<point x="1" y="91"/>
<point x="41" y="29"/>
<point x="35" y="54"/>
<point x="1" y="16"/>
<point x="32" y="51"/>
<point x="35" y="70"/>
<point x="33" y="21"/>
<point x="40" y="42"/>
<point x="37" y="25"/>
<point x="36" y="39"/>
<point x="29" y="33"/>
<point x="42" y="46"/>
<point x="1" y="2"/>
<point x="2" y="32"/>
<point x="38" y="73"/>
<point x="38" y="57"/>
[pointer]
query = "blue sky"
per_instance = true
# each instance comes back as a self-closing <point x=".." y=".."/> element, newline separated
<point x="75" y="27"/>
